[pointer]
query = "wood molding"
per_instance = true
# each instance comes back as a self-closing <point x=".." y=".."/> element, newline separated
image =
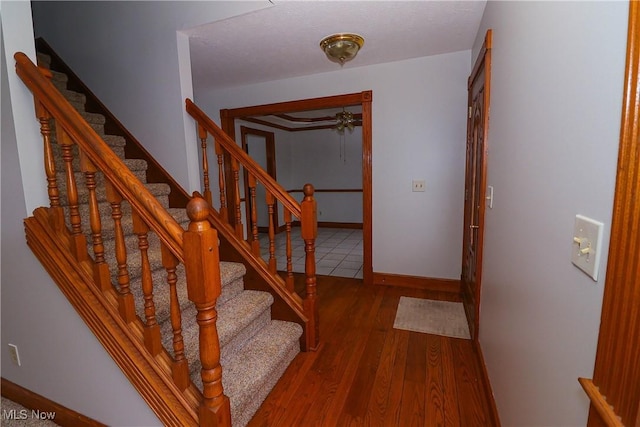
<point x="329" y="224"/>
<point x="617" y="366"/>
<point x="486" y="385"/>
<point x="30" y="400"/>
<point x="99" y="311"/>
<point x="425" y="283"/>
<point x="329" y="190"/>
<point x="365" y="99"/>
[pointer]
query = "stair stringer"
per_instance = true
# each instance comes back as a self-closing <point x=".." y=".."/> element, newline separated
<point x="150" y="376"/>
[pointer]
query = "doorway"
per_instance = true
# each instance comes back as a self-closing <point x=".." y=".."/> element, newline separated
<point x="362" y="99"/>
<point x="475" y="184"/>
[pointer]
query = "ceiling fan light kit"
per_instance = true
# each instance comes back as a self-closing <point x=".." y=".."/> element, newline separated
<point x="341" y="47"/>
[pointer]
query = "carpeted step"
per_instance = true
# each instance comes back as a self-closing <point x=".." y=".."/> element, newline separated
<point x="43" y="60"/>
<point x="249" y="377"/>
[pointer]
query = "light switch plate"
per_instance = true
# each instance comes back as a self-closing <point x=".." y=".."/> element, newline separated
<point x="417" y="185"/>
<point x="587" y="243"/>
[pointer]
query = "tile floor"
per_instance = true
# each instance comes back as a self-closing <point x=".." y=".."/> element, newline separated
<point x="338" y="251"/>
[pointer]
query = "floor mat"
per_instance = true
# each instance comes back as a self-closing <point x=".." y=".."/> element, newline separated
<point x="432" y="317"/>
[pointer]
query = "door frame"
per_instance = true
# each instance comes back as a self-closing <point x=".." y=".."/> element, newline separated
<point x="617" y="366"/>
<point x="472" y="302"/>
<point x="270" y="147"/>
<point x="364" y="99"/>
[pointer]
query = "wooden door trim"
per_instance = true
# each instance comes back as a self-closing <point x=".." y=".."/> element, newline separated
<point x="483" y="62"/>
<point x="617" y="366"/>
<point x="270" y="146"/>
<point x="228" y="117"/>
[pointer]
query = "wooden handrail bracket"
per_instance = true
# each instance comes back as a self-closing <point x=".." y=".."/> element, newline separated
<point x="600" y="404"/>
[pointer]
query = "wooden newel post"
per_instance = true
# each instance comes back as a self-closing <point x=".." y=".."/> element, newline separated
<point x="309" y="231"/>
<point x="202" y="264"/>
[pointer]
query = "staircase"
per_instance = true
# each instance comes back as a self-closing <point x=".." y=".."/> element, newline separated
<point x="148" y="285"/>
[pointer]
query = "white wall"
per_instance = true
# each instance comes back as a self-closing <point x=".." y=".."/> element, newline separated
<point x="132" y="57"/>
<point x="418" y="133"/>
<point x="556" y="96"/>
<point x="61" y="359"/>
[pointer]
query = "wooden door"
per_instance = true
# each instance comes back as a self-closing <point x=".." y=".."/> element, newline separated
<point x="260" y="145"/>
<point x="475" y="184"/>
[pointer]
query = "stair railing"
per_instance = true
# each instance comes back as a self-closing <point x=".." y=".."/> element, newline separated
<point x="196" y="248"/>
<point x="228" y="151"/>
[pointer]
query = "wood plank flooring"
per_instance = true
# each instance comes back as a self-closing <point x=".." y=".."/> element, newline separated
<point x="365" y="373"/>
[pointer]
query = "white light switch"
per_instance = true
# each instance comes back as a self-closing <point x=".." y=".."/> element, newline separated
<point x="587" y="242"/>
<point x="417" y="185"/>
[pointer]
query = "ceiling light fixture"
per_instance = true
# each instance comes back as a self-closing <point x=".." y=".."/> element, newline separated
<point x="344" y="119"/>
<point x="341" y="47"/>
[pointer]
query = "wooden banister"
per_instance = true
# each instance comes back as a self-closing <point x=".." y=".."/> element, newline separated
<point x="600" y="403"/>
<point x="82" y="134"/>
<point x="197" y="249"/>
<point x="236" y="152"/>
<point x="226" y="148"/>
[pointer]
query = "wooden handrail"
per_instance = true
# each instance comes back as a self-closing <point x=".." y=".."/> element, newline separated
<point x="236" y="152"/>
<point x="600" y="404"/>
<point x="125" y="182"/>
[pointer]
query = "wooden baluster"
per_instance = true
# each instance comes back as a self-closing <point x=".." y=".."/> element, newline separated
<point x="78" y="240"/>
<point x="56" y="214"/>
<point x="100" y="268"/>
<point x="202" y="134"/>
<point x="287" y="222"/>
<point x="255" y="242"/>
<point x="309" y="230"/>
<point x="202" y="265"/>
<point x="236" y="179"/>
<point x="152" y="338"/>
<point x="273" y="264"/>
<point x="180" y="365"/>
<point x="126" y="304"/>
<point x="223" y="200"/>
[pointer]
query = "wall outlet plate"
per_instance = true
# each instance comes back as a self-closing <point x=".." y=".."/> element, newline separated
<point x="587" y="245"/>
<point x="418" y="185"/>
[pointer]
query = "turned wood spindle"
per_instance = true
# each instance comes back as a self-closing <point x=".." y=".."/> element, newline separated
<point x="180" y="365"/>
<point x="100" y="268"/>
<point x="236" y="179"/>
<point x="202" y="263"/>
<point x="289" y="279"/>
<point x="152" y="338"/>
<point x="223" y="200"/>
<point x="202" y="134"/>
<point x="309" y="231"/>
<point x="273" y="264"/>
<point x="78" y="239"/>
<point x="255" y="240"/>
<point x="126" y="304"/>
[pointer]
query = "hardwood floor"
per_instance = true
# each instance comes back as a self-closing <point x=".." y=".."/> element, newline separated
<point x="365" y="373"/>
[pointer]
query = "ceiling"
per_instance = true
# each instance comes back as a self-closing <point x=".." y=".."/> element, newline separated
<point x="282" y="41"/>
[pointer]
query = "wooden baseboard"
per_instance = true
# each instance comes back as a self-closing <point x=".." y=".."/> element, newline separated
<point x="425" y="283"/>
<point x="34" y="402"/>
<point x="329" y="224"/>
<point x="486" y="385"/>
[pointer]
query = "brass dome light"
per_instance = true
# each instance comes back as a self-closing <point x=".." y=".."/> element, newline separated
<point x="341" y="47"/>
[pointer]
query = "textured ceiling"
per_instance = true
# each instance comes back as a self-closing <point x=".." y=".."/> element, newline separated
<point x="282" y="41"/>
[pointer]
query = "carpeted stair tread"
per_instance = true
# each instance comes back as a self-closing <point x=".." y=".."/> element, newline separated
<point x="250" y="376"/>
<point x="43" y="59"/>
<point x="252" y="304"/>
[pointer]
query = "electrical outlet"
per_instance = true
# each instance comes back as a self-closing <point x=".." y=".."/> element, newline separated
<point x="418" y="185"/>
<point x="13" y="351"/>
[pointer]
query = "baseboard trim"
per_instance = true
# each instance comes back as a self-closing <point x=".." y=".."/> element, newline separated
<point x="30" y="400"/>
<point x="486" y="385"/>
<point x="329" y="224"/>
<point x="425" y="283"/>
